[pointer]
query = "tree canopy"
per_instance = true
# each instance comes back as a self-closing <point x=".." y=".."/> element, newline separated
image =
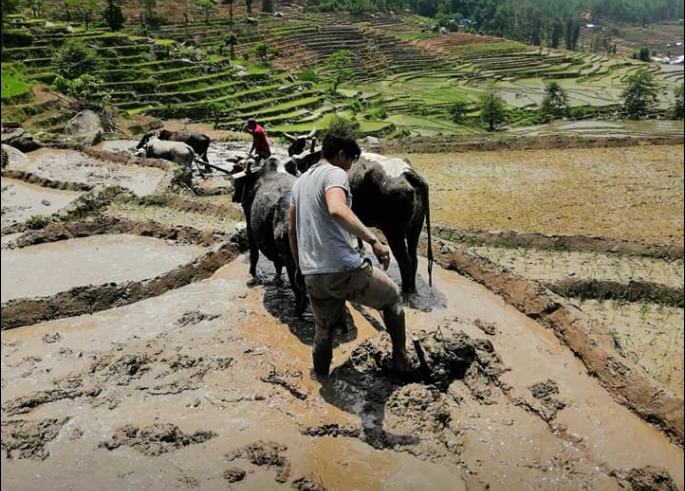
<point x="641" y="95"/>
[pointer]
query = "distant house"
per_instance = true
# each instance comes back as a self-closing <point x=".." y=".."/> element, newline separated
<point x="678" y="61"/>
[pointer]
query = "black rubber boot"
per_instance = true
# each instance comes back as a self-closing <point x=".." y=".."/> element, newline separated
<point x="393" y="315"/>
<point x="323" y="351"/>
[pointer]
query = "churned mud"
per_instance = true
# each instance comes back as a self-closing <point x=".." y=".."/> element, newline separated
<point x="209" y="386"/>
<point x="21" y="201"/>
<point x="77" y="167"/>
<point x="46" y="269"/>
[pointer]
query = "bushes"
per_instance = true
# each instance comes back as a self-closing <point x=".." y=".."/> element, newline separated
<point x="75" y="59"/>
<point x="339" y="124"/>
<point x="308" y="75"/>
<point x="17" y="38"/>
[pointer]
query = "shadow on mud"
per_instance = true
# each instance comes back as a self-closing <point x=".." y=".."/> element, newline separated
<point x="279" y="301"/>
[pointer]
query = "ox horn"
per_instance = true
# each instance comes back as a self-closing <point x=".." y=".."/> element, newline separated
<point x="289" y="137"/>
<point x="312" y="133"/>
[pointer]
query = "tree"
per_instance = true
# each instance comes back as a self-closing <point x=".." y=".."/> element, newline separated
<point x="86" y="9"/>
<point x="230" y="10"/>
<point x="8" y="7"/>
<point x="555" y="37"/>
<point x="149" y="6"/>
<point x="265" y="54"/>
<point x="231" y="40"/>
<point x="491" y="110"/>
<point x="207" y="7"/>
<point x="248" y="6"/>
<point x="339" y="63"/>
<point x="36" y="7"/>
<point x="74" y="59"/>
<point x="457" y="112"/>
<point x="341" y="125"/>
<point x="640" y="96"/>
<point x="555" y="101"/>
<point x="114" y="15"/>
<point x="268" y="6"/>
<point x="678" y="106"/>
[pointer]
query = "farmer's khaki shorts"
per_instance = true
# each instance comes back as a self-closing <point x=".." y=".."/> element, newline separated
<point x="365" y="285"/>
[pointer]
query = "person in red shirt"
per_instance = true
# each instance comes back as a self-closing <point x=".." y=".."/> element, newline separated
<point x="260" y="144"/>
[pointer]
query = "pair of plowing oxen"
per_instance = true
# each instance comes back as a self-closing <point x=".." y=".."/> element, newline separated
<point x="387" y="194"/>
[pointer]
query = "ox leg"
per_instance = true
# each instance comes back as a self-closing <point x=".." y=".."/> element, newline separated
<point x="278" y="280"/>
<point x="297" y="284"/>
<point x="398" y="246"/>
<point x="254" y="256"/>
<point x="412" y="245"/>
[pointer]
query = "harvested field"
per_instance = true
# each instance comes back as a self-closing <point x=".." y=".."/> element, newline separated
<point x="650" y="334"/>
<point x="215" y="376"/>
<point x="609" y="192"/>
<point x="21" y="201"/>
<point x="46" y="269"/>
<point x="76" y="167"/>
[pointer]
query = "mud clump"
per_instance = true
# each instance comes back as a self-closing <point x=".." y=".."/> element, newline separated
<point x="156" y="439"/>
<point x="283" y="380"/>
<point x="193" y="317"/>
<point x="333" y="430"/>
<point x="646" y="479"/>
<point x="549" y="405"/>
<point x="52" y="338"/>
<point x="234" y="474"/>
<point x="24" y="404"/>
<point x="27" y="439"/>
<point x="449" y="355"/>
<point x="265" y="454"/>
<point x="487" y="327"/>
<point x="306" y="484"/>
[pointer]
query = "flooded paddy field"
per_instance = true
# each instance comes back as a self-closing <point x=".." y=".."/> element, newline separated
<point x="205" y="382"/>
<point x="21" y="200"/>
<point x="47" y="269"/>
<point x="211" y="384"/>
<point x="77" y="167"/>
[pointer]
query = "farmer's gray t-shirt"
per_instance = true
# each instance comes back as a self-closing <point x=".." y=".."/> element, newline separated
<point x="324" y="246"/>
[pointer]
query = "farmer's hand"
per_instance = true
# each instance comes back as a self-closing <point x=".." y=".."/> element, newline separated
<point x="382" y="252"/>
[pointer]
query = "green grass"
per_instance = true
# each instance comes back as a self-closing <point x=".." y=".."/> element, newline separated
<point x="13" y="84"/>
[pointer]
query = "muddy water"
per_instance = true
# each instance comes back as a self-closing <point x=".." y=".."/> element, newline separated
<point x="21" y="201"/>
<point x="72" y="166"/>
<point x="47" y="269"/>
<point x="219" y="356"/>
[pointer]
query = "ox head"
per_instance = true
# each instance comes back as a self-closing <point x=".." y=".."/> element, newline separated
<point x="145" y="139"/>
<point x="298" y="143"/>
<point x="164" y="134"/>
<point x="247" y="173"/>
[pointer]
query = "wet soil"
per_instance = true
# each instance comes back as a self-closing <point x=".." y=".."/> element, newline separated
<point x="21" y="201"/>
<point x="199" y="358"/>
<point x="554" y="266"/>
<point x="649" y="334"/>
<point x="77" y="167"/>
<point x="47" y="269"/>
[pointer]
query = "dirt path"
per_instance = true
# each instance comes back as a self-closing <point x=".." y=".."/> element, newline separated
<point x="195" y="387"/>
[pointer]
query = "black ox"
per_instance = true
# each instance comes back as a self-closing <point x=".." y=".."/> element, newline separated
<point x="387" y="193"/>
<point x="264" y="193"/>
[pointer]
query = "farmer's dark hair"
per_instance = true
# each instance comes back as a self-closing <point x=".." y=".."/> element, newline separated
<point x="336" y="141"/>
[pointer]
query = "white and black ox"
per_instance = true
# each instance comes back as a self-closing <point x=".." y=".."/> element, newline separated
<point x="197" y="141"/>
<point x="264" y="193"/>
<point x="387" y="193"/>
<point x="177" y="152"/>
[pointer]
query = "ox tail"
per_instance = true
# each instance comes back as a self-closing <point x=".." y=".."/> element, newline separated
<point x="422" y="185"/>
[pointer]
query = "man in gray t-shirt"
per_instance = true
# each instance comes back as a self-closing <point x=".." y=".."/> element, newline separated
<point x="321" y="230"/>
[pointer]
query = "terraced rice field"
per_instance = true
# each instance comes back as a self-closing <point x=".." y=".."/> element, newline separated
<point x="631" y="193"/>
